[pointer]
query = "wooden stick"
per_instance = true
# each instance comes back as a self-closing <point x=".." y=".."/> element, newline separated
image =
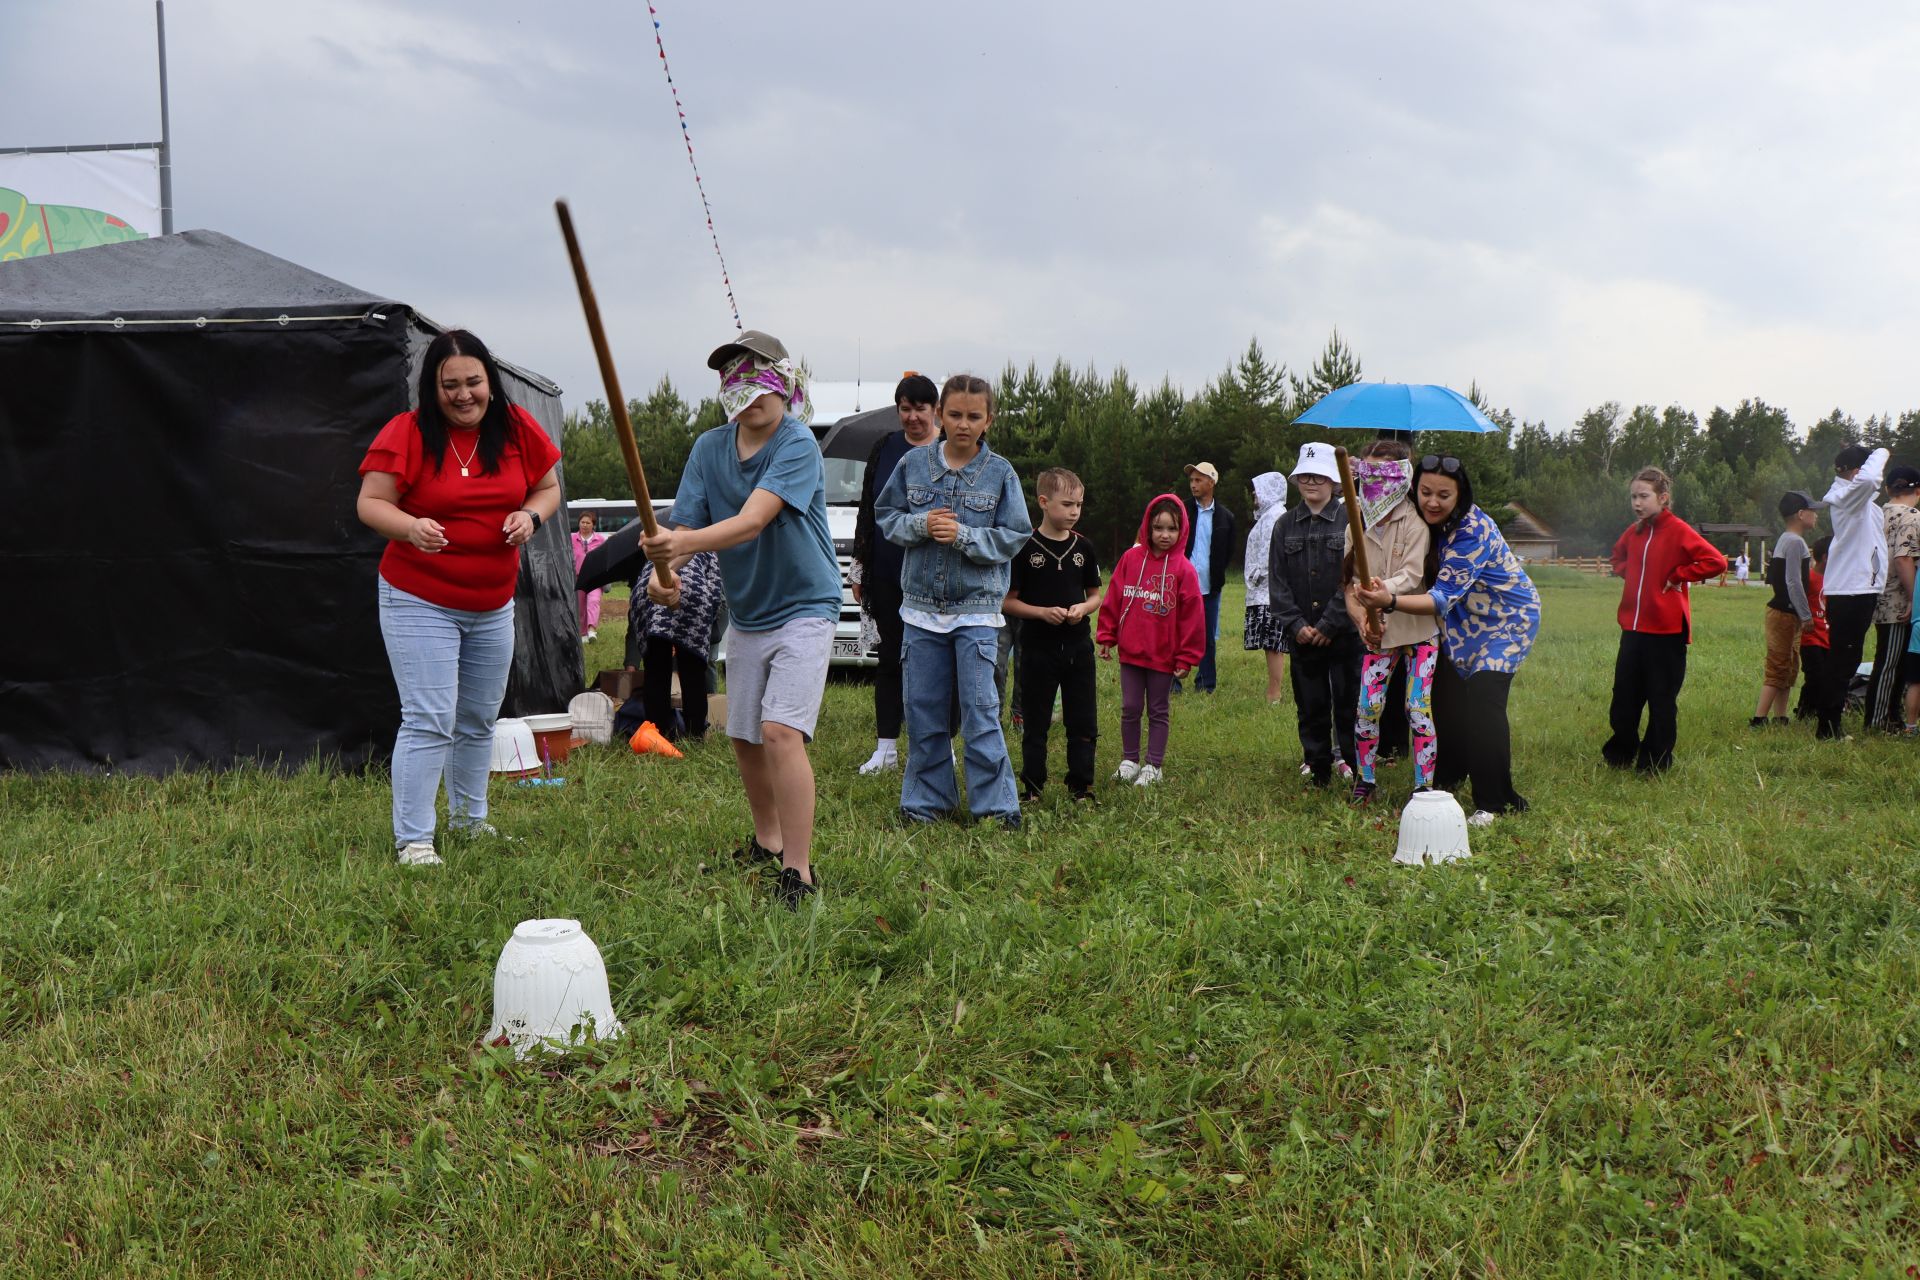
<point x="1356" y="528"/>
<point x="622" y="426"/>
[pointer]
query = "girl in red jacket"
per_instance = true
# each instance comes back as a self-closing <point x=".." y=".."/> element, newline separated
<point x="1658" y="555"/>
<point x="1154" y="614"/>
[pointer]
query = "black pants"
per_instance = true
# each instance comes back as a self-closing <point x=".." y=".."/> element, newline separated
<point x="1884" y="708"/>
<point x="1047" y="664"/>
<point x="1326" y="701"/>
<point x="1647" y="675"/>
<point x="664" y="658"/>
<point x="1848" y="618"/>
<point x="1813" y="680"/>
<point x="1470" y="720"/>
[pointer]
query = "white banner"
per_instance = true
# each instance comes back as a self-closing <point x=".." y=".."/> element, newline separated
<point x="60" y="200"/>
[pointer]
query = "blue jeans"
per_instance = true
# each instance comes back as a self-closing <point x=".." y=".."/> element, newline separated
<point x="933" y="664"/>
<point x="451" y="668"/>
<point x="1203" y="674"/>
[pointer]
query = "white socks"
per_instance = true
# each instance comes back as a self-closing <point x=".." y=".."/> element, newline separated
<point x="886" y="755"/>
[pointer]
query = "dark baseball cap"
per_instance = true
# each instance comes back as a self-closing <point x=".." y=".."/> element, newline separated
<point x="1903" y="478"/>
<point x="764" y="345"/>
<point x="1794" y="501"/>
<point x="1854" y="455"/>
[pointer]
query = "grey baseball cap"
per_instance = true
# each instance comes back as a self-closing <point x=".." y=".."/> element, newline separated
<point x="764" y="345"/>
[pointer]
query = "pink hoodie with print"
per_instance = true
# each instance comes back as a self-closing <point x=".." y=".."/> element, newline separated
<point x="1153" y="611"/>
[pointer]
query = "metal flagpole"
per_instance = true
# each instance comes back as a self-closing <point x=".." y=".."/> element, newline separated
<point x="166" y="135"/>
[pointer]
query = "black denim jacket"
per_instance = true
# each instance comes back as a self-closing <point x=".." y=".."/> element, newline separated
<point x="1303" y="579"/>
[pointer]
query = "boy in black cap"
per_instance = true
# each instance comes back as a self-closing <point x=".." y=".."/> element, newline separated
<point x="1790" y="613"/>
<point x="1892" y="616"/>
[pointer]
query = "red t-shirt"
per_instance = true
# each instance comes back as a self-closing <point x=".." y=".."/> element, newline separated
<point x="476" y="570"/>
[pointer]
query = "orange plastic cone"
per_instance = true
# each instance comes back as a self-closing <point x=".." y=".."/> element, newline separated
<point x="647" y="740"/>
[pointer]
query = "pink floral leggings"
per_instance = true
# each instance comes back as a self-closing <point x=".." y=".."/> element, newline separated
<point x="1376" y="672"/>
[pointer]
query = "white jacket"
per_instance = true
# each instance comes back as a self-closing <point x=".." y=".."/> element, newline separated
<point x="1857" y="561"/>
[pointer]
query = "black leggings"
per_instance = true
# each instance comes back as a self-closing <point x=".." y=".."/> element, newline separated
<point x="1470" y="721"/>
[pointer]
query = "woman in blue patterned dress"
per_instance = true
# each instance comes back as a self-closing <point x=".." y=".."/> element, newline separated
<point x="1489" y="615"/>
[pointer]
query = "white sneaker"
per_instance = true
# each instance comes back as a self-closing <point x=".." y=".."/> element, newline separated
<point x="483" y="830"/>
<point x="1149" y="775"/>
<point x="885" y="756"/>
<point x="1306" y="770"/>
<point x="1481" y="818"/>
<point x="1127" y="772"/>
<point x="418" y="854"/>
<point x="593" y="635"/>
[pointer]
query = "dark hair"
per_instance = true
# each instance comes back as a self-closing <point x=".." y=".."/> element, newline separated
<point x="916" y="388"/>
<point x="1854" y="455"/>
<point x="1396" y="450"/>
<point x="966" y="384"/>
<point x="1169" y="505"/>
<point x="1455" y="470"/>
<point x="433" y="425"/>
<point x="1823" y="546"/>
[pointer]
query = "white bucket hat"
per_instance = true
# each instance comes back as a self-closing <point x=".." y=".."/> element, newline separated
<point x="1316" y="459"/>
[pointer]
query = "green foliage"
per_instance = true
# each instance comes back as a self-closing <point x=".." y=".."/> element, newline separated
<point x="1651" y="1028"/>
<point x="664" y="428"/>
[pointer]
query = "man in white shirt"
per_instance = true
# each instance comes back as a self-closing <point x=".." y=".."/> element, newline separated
<point x="1856" y="573"/>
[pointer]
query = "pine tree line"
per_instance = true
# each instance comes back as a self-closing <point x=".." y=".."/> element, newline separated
<point x="1129" y="443"/>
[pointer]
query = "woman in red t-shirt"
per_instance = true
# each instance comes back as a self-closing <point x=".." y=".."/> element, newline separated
<point x="457" y="487"/>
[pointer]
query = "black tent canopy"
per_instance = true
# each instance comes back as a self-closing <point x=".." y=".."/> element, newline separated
<point x="181" y="425"/>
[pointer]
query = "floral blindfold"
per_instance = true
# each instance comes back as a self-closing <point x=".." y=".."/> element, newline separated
<point x="1380" y="484"/>
<point x="750" y="377"/>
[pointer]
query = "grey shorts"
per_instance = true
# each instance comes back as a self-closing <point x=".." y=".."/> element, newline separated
<point x="777" y="675"/>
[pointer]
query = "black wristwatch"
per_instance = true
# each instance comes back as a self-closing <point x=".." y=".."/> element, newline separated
<point x="535" y="515"/>
<point x="1393" y="603"/>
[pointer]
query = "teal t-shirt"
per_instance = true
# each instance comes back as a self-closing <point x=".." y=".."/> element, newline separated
<point x="789" y="571"/>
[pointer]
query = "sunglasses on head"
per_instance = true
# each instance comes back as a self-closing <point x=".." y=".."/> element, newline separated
<point x="1447" y="465"/>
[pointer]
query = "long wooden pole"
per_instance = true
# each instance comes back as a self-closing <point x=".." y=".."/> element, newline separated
<point x="1356" y="528"/>
<point x="622" y="425"/>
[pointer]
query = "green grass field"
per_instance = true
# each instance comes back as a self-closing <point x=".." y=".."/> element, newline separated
<point x="1650" y="1028"/>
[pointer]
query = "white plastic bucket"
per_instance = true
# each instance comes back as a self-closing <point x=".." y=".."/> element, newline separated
<point x="549" y="981"/>
<point x="1433" y="828"/>
<point x="514" y="751"/>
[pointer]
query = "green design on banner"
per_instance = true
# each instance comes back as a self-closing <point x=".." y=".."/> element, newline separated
<point x="31" y="230"/>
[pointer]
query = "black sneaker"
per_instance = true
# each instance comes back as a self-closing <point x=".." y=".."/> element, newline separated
<point x="792" y="890"/>
<point x="1361" y="793"/>
<point x="1758" y="722"/>
<point x="752" y="853"/>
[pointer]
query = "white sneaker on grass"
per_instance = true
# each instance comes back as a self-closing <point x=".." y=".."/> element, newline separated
<point x="418" y="854"/>
<point x="1149" y="774"/>
<point x="484" y="831"/>
<point x="1127" y="772"/>
<point x="1482" y="818"/>
<point x="886" y="755"/>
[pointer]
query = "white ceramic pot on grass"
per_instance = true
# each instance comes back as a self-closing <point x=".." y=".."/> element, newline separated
<point x="1433" y="828"/>
<point x="549" y="981"/>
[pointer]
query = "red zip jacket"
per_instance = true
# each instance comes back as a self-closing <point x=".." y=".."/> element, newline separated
<point x="1658" y="558"/>
<point x="1153" y="610"/>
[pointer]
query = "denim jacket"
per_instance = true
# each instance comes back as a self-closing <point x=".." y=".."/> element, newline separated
<point x="971" y="574"/>
<point x="1303" y="576"/>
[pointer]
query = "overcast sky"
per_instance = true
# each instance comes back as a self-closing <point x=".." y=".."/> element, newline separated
<point x="1571" y="203"/>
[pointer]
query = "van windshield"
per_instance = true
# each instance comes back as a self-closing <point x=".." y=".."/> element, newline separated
<point x="844" y="477"/>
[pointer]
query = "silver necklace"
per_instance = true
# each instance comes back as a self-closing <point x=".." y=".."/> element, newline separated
<point x="1060" y="559"/>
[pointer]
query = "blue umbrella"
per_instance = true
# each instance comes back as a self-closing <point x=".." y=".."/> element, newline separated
<point x="1398" y="406"/>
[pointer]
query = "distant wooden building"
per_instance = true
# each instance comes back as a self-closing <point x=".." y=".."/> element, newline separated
<point x="1530" y="537"/>
<point x="1737" y="539"/>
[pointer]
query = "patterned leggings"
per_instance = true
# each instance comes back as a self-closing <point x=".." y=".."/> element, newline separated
<point x="1376" y="672"/>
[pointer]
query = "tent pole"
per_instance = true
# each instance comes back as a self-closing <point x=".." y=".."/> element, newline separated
<point x="166" y="135"/>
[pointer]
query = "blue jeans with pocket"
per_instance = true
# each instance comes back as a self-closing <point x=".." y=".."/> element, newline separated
<point x="451" y="669"/>
<point x="934" y="664"/>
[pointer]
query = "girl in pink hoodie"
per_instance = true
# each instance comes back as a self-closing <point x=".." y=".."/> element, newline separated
<point x="1154" y="614"/>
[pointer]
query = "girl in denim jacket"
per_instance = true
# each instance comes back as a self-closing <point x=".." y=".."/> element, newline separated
<point x="958" y="509"/>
